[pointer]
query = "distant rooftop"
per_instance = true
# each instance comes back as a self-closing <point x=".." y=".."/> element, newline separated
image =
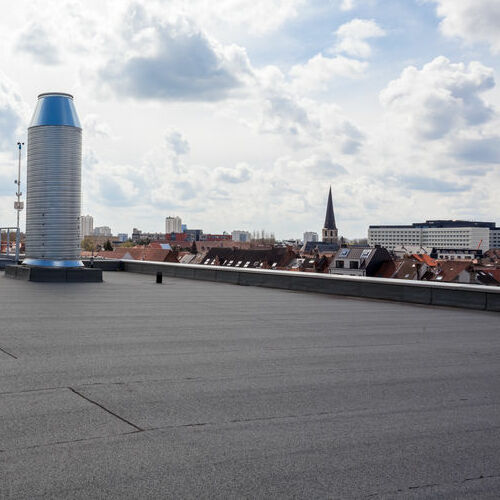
<point x="438" y="224"/>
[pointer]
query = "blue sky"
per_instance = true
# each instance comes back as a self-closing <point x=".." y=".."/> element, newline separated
<point x="240" y="115"/>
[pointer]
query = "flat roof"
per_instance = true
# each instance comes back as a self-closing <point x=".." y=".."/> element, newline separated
<point x="201" y="389"/>
<point x="439" y="224"/>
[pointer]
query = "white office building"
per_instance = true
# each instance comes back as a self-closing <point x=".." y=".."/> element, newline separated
<point x="86" y="226"/>
<point x="495" y="238"/>
<point x="173" y="225"/>
<point x="102" y="231"/>
<point x="436" y="234"/>
<point x="310" y="236"/>
<point x="241" y="236"/>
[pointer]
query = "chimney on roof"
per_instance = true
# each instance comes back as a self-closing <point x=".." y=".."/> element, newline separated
<point x="330" y="233"/>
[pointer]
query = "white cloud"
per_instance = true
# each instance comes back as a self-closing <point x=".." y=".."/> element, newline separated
<point x="319" y="72"/>
<point x="161" y="59"/>
<point x="176" y="142"/>
<point x="61" y="29"/>
<point x="36" y="41"/>
<point x="264" y="142"/>
<point x="440" y="98"/>
<point x="347" y="5"/>
<point x="352" y="37"/>
<point x="304" y="122"/>
<point x="240" y="173"/>
<point x="478" y="150"/>
<point x="95" y="127"/>
<point x="472" y="20"/>
<point x="13" y="113"/>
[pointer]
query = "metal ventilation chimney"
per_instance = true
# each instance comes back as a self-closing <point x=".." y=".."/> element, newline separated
<point x="54" y="183"/>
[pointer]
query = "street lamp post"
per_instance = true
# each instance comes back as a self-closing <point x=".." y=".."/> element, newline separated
<point x="19" y="204"/>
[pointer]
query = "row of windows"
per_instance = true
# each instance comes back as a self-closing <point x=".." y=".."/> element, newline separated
<point x="353" y="264"/>
<point x="239" y="263"/>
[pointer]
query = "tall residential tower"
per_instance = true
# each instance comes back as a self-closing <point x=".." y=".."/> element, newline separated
<point x="173" y="225"/>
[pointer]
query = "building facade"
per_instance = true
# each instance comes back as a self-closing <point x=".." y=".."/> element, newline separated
<point x="194" y="234"/>
<point x="241" y="236"/>
<point x="310" y="236"/>
<point x="86" y="226"/>
<point x="436" y="234"/>
<point x="102" y="231"/>
<point x="173" y="225"/>
<point x="495" y="238"/>
<point x="216" y="237"/>
<point x="329" y="232"/>
<point x="358" y="261"/>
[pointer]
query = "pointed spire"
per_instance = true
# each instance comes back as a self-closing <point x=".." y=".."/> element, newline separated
<point x="330" y="217"/>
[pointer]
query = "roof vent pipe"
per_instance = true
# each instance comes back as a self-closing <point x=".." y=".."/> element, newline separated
<point x="53" y="197"/>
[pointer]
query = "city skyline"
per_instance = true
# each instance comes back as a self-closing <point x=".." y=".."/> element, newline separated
<point x="252" y="113"/>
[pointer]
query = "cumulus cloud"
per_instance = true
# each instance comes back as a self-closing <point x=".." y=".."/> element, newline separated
<point x="432" y="184"/>
<point x="320" y="71"/>
<point x="347" y="5"/>
<point x="307" y="123"/>
<point x="472" y="20"/>
<point x="36" y="41"/>
<point x="110" y="184"/>
<point x="95" y="127"/>
<point x="172" y="61"/>
<point x="352" y="37"/>
<point x="318" y="165"/>
<point x="117" y="190"/>
<point x="168" y="51"/>
<point x="240" y="173"/>
<point x="176" y="142"/>
<point x="482" y="150"/>
<point x="13" y="111"/>
<point x="440" y="98"/>
<point x="303" y="122"/>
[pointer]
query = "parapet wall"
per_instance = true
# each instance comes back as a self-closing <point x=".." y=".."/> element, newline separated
<point x="417" y="292"/>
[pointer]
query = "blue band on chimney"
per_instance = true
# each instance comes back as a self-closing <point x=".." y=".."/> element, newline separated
<point x="55" y="109"/>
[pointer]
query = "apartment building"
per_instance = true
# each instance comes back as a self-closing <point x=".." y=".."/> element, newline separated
<point x="438" y="234"/>
<point x="86" y="226"/>
<point x="173" y="225"/>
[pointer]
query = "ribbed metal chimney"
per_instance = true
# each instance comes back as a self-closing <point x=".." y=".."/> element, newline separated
<point x="53" y="195"/>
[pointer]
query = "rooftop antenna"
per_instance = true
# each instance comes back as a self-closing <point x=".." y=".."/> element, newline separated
<point x="18" y="205"/>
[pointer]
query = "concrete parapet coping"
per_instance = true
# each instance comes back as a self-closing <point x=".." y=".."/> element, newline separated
<point x="320" y="276"/>
<point x="419" y="292"/>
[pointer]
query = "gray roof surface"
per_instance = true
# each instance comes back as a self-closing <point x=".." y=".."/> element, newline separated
<point x="128" y="389"/>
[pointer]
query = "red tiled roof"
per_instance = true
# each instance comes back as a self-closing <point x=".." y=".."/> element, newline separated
<point x="141" y="253"/>
<point x="408" y="270"/>
<point x="449" y="270"/>
<point x="388" y="269"/>
<point x="495" y="273"/>
<point x="426" y="259"/>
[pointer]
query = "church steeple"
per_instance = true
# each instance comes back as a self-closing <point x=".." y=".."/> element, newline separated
<point x="330" y="216"/>
<point x="330" y="233"/>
